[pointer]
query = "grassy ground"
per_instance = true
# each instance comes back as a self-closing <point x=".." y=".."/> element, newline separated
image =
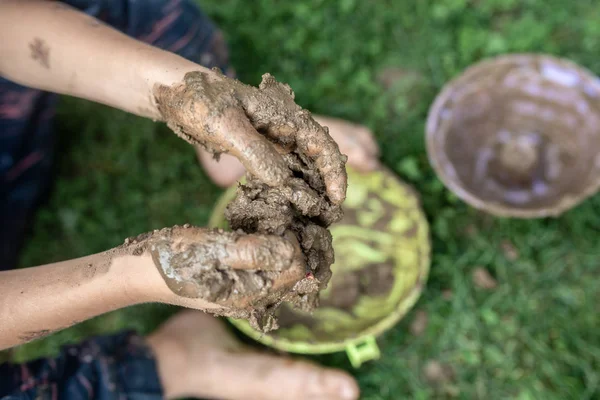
<point x="533" y="336"/>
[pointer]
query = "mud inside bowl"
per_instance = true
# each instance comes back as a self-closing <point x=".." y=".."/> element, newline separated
<point x="382" y="261"/>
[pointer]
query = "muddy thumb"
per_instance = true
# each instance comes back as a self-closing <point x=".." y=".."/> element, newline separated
<point x="259" y="156"/>
<point x="269" y="377"/>
<point x="262" y="252"/>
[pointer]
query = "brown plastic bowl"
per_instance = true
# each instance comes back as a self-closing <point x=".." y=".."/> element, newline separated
<point x="518" y="135"/>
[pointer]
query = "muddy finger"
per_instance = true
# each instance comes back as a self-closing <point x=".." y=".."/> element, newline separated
<point x="279" y="286"/>
<point x="252" y="291"/>
<point x="315" y="141"/>
<point x="259" y="252"/>
<point x="254" y="151"/>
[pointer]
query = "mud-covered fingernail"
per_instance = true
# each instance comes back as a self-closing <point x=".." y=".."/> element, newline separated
<point x="260" y="252"/>
<point x="284" y="254"/>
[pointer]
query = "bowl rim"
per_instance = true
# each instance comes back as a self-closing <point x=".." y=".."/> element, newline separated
<point x="497" y="208"/>
<point x="405" y="303"/>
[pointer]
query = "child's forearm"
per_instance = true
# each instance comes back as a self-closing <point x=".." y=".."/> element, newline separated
<point x="37" y="301"/>
<point x="50" y="46"/>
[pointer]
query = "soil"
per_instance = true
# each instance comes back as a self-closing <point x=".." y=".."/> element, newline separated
<point x="373" y="211"/>
<point x="346" y="290"/>
<point x="348" y="287"/>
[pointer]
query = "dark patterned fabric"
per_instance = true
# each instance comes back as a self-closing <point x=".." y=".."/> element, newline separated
<point x="110" y="367"/>
<point x="120" y="366"/>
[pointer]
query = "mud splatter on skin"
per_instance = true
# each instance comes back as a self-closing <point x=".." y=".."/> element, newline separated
<point x="296" y="182"/>
<point x="219" y="266"/>
<point x="30" y="336"/>
<point x="40" y="52"/>
<point x="248" y="275"/>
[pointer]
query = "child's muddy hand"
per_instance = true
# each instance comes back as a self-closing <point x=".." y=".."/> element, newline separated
<point x="226" y="116"/>
<point x="229" y="269"/>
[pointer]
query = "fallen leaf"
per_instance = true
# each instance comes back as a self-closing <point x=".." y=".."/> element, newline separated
<point x="471" y="230"/>
<point x="510" y="251"/>
<point x="447" y="294"/>
<point x="405" y="85"/>
<point x="388" y="77"/>
<point x="437" y="373"/>
<point x="419" y="323"/>
<point x="482" y="279"/>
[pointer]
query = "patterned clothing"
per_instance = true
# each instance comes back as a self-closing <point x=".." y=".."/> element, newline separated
<point x="111" y="367"/>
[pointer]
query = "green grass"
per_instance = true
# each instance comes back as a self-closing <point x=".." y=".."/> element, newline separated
<point x="535" y="336"/>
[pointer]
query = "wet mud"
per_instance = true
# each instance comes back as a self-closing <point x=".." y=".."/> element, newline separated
<point x="374" y="280"/>
<point x="301" y="209"/>
<point x="258" y="125"/>
<point x="294" y="188"/>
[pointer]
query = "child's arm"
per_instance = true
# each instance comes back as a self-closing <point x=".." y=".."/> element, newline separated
<point x="166" y="266"/>
<point x="51" y="46"/>
<point x="35" y="302"/>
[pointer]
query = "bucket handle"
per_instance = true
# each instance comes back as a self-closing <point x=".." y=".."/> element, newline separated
<point x="363" y="351"/>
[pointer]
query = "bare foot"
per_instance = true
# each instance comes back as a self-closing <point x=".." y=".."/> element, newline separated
<point x="355" y="141"/>
<point x="198" y="357"/>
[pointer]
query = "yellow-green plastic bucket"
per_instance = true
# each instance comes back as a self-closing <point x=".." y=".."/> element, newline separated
<point x="383" y="225"/>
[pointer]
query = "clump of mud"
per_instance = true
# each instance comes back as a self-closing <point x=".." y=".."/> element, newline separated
<point x="289" y="165"/>
<point x="302" y="208"/>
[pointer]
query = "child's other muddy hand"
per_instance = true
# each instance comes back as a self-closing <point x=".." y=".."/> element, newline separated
<point x="205" y="109"/>
<point x="228" y="269"/>
<point x="253" y="124"/>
